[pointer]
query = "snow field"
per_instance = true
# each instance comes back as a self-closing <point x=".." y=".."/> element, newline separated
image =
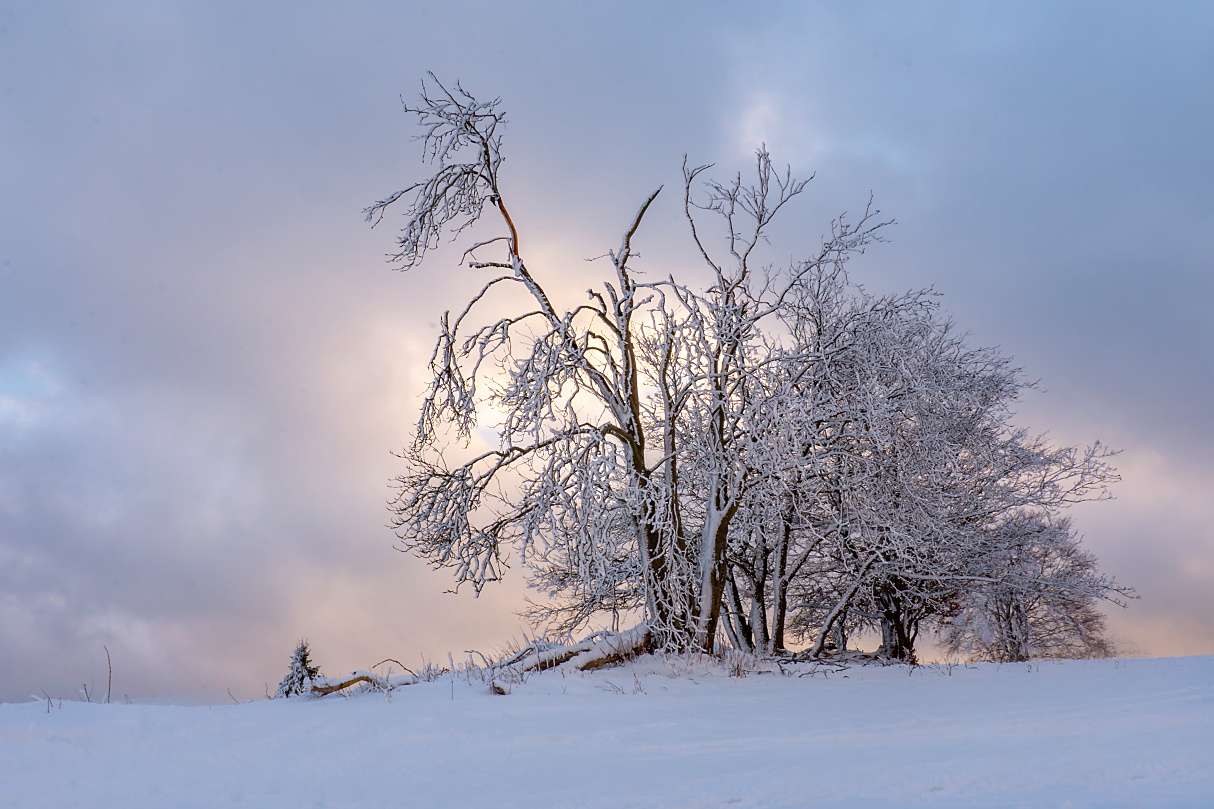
<point x="654" y="733"/>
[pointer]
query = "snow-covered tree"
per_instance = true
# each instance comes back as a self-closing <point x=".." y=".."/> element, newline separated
<point x="621" y="419"/>
<point x="301" y="675"/>
<point x="1041" y="601"/>
<point x="930" y="470"/>
<point x="911" y="474"/>
<point x="775" y="451"/>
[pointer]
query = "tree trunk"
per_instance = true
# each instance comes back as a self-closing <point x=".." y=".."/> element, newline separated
<point x="714" y="568"/>
<point x="781" y="587"/>
<point x="897" y="634"/>
<point x="742" y="636"/>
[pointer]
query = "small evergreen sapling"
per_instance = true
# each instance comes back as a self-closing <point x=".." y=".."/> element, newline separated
<point x="303" y="672"/>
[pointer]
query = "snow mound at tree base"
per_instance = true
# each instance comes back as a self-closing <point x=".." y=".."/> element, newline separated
<point x="655" y="732"/>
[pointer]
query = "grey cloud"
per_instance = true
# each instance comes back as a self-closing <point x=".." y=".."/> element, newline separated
<point x="204" y="361"/>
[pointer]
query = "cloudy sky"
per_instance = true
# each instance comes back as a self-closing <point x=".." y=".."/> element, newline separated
<point x="205" y="362"/>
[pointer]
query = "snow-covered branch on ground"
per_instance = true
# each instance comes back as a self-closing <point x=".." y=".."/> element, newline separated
<point x="329" y="685"/>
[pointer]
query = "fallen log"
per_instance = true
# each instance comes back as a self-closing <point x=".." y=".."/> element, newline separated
<point x="592" y="653"/>
<point x="330" y="685"/>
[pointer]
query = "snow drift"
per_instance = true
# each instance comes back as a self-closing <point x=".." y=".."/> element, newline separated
<point x="657" y="732"/>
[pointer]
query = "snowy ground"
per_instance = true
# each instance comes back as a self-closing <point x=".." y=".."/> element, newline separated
<point x="654" y="734"/>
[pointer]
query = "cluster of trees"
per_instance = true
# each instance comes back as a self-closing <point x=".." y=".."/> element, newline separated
<point x="772" y="455"/>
